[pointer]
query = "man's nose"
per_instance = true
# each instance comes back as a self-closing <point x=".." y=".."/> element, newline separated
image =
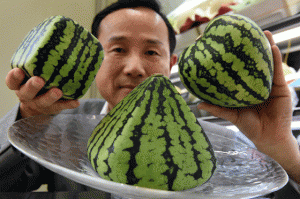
<point x="134" y="66"/>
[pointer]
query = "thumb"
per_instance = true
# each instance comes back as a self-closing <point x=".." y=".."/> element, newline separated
<point x="229" y="114"/>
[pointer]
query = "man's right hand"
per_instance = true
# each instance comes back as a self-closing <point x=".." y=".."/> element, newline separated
<point x="33" y="104"/>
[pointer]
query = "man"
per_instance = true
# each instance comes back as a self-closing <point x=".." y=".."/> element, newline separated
<point x="138" y="42"/>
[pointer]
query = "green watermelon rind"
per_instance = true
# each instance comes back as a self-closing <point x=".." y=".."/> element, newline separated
<point x="63" y="53"/>
<point x="133" y="158"/>
<point x="208" y="71"/>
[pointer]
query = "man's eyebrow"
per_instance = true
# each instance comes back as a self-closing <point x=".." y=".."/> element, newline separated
<point x="154" y="41"/>
<point x="122" y="38"/>
<point x="116" y="38"/>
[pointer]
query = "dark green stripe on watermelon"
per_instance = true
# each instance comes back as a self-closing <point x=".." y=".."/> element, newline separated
<point x="63" y="53"/>
<point x="25" y="48"/>
<point x="231" y="65"/>
<point x="152" y="139"/>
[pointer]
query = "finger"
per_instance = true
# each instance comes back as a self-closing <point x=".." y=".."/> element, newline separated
<point x="14" y="78"/>
<point x="32" y="108"/>
<point x="278" y="70"/>
<point x="220" y="112"/>
<point x="270" y="37"/>
<point x="60" y="105"/>
<point x="29" y="90"/>
<point x="66" y="104"/>
<point x="48" y="99"/>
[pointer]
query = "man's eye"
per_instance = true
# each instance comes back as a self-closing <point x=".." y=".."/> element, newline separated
<point x="151" y="52"/>
<point x="119" y="50"/>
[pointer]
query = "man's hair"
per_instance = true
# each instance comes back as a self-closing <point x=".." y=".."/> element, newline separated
<point x="151" y="4"/>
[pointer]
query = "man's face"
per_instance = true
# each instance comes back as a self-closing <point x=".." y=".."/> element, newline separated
<point x="136" y="46"/>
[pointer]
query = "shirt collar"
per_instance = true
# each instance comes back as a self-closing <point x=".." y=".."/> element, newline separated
<point x="104" y="110"/>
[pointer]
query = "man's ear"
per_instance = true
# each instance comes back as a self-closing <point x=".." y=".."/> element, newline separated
<point x="173" y="60"/>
